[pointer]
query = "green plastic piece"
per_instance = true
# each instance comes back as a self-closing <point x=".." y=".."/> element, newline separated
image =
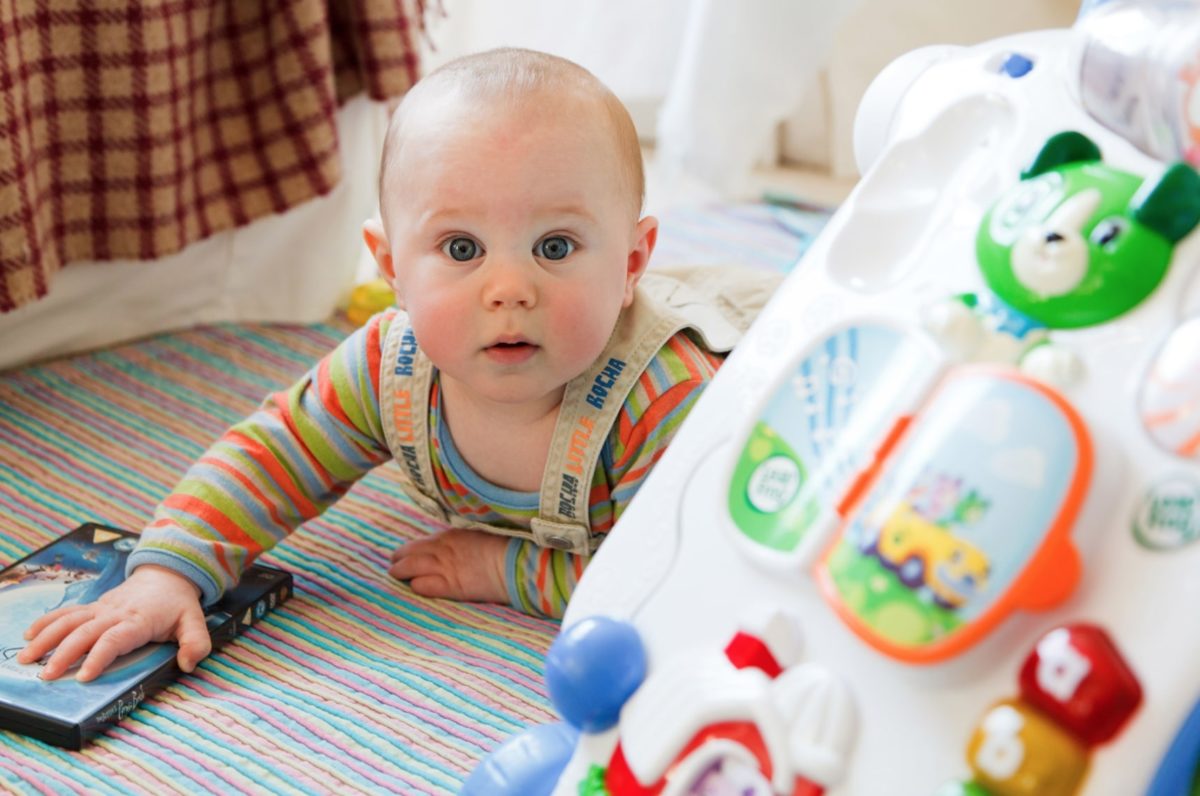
<point x="1061" y="149"/>
<point x="1171" y="206"/>
<point x="1129" y="235"/>
<point x="783" y="528"/>
<point x="969" y="788"/>
<point x="593" y="783"/>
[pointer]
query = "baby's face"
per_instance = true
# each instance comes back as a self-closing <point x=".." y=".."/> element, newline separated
<point x="511" y="243"/>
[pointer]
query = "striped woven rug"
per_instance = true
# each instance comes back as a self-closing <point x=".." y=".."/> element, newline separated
<point x="354" y="685"/>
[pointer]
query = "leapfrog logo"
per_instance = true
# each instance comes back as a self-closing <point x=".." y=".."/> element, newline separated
<point x="1169" y="515"/>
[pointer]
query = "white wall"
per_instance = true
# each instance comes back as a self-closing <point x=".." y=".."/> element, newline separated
<point x="874" y="34"/>
<point x="631" y="45"/>
<point x="644" y="49"/>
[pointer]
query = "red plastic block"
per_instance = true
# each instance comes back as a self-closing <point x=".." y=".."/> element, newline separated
<point x="1076" y="676"/>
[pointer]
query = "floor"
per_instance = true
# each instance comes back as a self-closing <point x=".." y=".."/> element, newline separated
<point x="787" y="184"/>
<point x="803" y="184"/>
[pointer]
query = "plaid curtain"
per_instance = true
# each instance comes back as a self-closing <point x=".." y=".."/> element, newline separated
<point x="131" y="128"/>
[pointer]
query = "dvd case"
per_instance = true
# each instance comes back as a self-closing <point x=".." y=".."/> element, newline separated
<point x="76" y="569"/>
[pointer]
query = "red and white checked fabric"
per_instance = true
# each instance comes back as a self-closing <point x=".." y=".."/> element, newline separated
<point x="131" y="128"/>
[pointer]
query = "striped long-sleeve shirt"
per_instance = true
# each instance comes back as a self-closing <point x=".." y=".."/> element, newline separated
<point x="306" y="446"/>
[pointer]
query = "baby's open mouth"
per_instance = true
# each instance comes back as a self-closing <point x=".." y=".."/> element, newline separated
<point x="511" y="352"/>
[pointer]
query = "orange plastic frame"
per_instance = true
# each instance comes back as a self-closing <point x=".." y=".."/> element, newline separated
<point x="1052" y="571"/>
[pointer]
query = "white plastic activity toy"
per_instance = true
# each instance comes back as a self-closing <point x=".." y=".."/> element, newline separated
<point x="933" y="528"/>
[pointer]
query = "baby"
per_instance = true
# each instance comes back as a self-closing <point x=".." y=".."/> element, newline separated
<point x="526" y="384"/>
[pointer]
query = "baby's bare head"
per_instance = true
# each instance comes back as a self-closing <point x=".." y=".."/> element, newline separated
<point x="511" y="80"/>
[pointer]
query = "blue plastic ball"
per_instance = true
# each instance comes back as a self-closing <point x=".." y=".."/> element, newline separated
<point x="592" y="668"/>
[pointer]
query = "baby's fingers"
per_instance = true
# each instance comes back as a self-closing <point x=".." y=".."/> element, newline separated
<point x="76" y="645"/>
<point x="410" y="547"/>
<point x="106" y="647"/>
<point x="414" y="563"/>
<point x="48" y="618"/>
<point x="424" y="573"/>
<point x="46" y="633"/>
<point x="193" y="638"/>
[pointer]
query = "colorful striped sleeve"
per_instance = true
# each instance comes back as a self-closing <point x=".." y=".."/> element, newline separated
<point x="541" y="580"/>
<point x="290" y="460"/>
<point x="650" y="418"/>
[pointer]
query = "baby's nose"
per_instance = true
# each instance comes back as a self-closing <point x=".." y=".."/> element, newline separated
<point x="509" y="283"/>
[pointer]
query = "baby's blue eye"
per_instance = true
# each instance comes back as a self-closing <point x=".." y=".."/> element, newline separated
<point x="461" y="249"/>
<point x="555" y="247"/>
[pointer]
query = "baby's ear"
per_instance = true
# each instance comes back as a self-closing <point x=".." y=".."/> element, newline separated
<point x="377" y="244"/>
<point x="645" y="236"/>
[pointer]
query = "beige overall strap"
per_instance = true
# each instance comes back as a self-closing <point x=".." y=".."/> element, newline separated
<point x="589" y="408"/>
<point x="405" y="379"/>
<point x="718" y="304"/>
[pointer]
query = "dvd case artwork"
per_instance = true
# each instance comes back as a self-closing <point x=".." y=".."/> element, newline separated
<point x="77" y="569"/>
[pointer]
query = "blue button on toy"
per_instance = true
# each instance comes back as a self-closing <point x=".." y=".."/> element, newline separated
<point x="1016" y="65"/>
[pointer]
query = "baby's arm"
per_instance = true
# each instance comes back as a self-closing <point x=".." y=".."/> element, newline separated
<point x="153" y="604"/>
<point x="477" y="566"/>
<point x="540" y="580"/>
<point x="291" y="459"/>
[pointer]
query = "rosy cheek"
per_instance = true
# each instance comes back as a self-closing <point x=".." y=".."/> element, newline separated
<point x="583" y="328"/>
<point x="442" y="326"/>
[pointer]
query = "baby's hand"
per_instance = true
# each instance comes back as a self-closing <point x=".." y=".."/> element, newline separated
<point x="456" y="564"/>
<point x="153" y="604"/>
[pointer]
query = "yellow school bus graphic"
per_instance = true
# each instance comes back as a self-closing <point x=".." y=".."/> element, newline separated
<point x="926" y="554"/>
